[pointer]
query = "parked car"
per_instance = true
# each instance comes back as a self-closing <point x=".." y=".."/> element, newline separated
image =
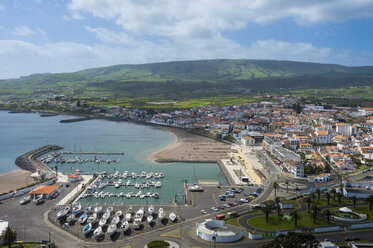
<point x="214" y="209"/>
<point x="231" y="204"/>
<point x="230" y="195"/>
<point x="221" y="207"/>
<point x="227" y="205"/>
<point x="203" y="211"/>
<point x="244" y="200"/>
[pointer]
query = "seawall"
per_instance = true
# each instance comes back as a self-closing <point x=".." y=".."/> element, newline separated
<point x="28" y="160"/>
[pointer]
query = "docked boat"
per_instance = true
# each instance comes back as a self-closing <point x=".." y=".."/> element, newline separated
<point x="87" y="228"/>
<point x="26" y="199"/>
<point x="98" y="210"/>
<point x="140" y="213"/>
<point x="106" y="215"/>
<point x="70" y="218"/>
<point x="115" y="220"/>
<point x="97" y="232"/>
<point x="83" y="218"/>
<point x="116" y="185"/>
<point x="77" y="208"/>
<point x="112" y="229"/>
<point x="137" y="185"/>
<point x="62" y="213"/>
<point x="156" y="195"/>
<point x="128" y="195"/>
<point x="161" y="214"/>
<point x="172" y="216"/>
<point x="195" y="188"/>
<point x="102" y="221"/>
<point x="137" y="223"/>
<point x="161" y="175"/>
<point x="88" y="209"/>
<point x="109" y="209"/>
<point x="151" y="210"/>
<point x="125" y="226"/>
<point x="38" y="199"/>
<point x="92" y="218"/>
<point x="128" y="217"/>
<point x="149" y="219"/>
<point x="119" y="213"/>
<point x="128" y="183"/>
<point x="158" y="184"/>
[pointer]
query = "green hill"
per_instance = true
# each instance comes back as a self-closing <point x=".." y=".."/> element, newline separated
<point x="190" y="79"/>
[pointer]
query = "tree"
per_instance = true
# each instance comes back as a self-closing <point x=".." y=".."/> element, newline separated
<point x="308" y="201"/>
<point x="315" y="211"/>
<point x="354" y="200"/>
<point x="369" y="200"/>
<point x="275" y="187"/>
<point x="328" y="195"/>
<point x="287" y="186"/>
<point x="266" y="210"/>
<point x="278" y="208"/>
<point x="295" y="217"/>
<point x="339" y="194"/>
<point x="56" y="169"/>
<point x="293" y="240"/>
<point x="334" y="193"/>
<point x="318" y="192"/>
<point x="327" y="214"/>
<point x="313" y="196"/>
<point x="8" y="236"/>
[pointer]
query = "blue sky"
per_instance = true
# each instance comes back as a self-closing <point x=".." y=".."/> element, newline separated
<point x="38" y="36"/>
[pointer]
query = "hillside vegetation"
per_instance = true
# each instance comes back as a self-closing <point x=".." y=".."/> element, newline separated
<point x="201" y="78"/>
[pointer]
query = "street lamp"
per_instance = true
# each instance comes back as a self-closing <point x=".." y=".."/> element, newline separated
<point x="214" y="239"/>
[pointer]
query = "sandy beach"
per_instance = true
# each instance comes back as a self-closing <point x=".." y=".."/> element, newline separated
<point x="14" y="179"/>
<point x="191" y="148"/>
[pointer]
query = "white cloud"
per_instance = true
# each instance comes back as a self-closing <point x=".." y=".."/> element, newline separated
<point x="108" y="36"/>
<point x="73" y="15"/>
<point x="22" y="31"/>
<point x="205" y="18"/>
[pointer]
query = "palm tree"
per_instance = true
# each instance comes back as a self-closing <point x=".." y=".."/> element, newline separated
<point x="369" y="200"/>
<point x="8" y="236"/>
<point x="308" y="201"/>
<point x="295" y="216"/>
<point x="333" y="192"/>
<point x="315" y="210"/>
<point x="339" y="197"/>
<point x="328" y="195"/>
<point x="318" y="192"/>
<point x="313" y="196"/>
<point x="354" y="200"/>
<point x="327" y="214"/>
<point x="287" y="186"/>
<point x="277" y="201"/>
<point x="266" y="210"/>
<point x="56" y="169"/>
<point x="275" y="187"/>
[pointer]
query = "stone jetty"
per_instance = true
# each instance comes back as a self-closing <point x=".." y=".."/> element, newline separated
<point x="28" y="160"/>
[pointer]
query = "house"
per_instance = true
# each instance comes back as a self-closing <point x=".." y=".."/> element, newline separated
<point x="46" y="190"/>
<point x="320" y="178"/>
<point x="75" y="176"/>
<point x="322" y="137"/>
<point x="343" y="128"/>
<point x="247" y="141"/>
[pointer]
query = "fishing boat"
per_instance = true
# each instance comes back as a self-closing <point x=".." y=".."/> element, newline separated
<point x="112" y="229"/>
<point x="77" y="208"/>
<point x="38" y="199"/>
<point x="26" y="199"/>
<point x="98" y="210"/>
<point x="151" y="209"/>
<point x="161" y="214"/>
<point x="149" y="219"/>
<point x="172" y="216"/>
<point x="125" y="226"/>
<point x="102" y="221"/>
<point x="87" y="228"/>
<point x="83" y="218"/>
<point x="115" y="220"/>
<point x="119" y="213"/>
<point x="97" y="232"/>
<point x="92" y="218"/>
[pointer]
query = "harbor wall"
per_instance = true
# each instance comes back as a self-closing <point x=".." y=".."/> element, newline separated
<point x="28" y="160"/>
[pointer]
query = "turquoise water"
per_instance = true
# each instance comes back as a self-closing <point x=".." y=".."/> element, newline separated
<point x="20" y="133"/>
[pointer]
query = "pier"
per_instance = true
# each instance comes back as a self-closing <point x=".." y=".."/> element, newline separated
<point x="95" y="153"/>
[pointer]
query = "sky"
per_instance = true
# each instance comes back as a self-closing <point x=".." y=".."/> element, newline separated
<point x="40" y="36"/>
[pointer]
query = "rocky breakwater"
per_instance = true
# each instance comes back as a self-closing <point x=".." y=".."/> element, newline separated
<point x="28" y="160"/>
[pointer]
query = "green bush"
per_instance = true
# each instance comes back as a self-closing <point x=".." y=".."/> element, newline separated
<point x="158" y="244"/>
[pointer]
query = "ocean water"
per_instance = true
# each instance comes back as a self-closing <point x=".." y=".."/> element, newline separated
<point x="23" y="132"/>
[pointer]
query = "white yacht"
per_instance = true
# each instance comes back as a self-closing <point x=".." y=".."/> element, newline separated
<point x="97" y="232"/>
<point x="62" y="213"/>
<point x="172" y="216"/>
<point x="137" y="223"/>
<point x="161" y="214"/>
<point x="77" y="208"/>
<point x="128" y="217"/>
<point x="119" y="213"/>
<point x="140" y="213"/>
<point x="115" y="220"/>
<point x="112" y="229"/>
<point x="124" y="226"/>
<point x="149" y="219"/>
<point x="128" y="183"/>
<point x="92" y="218"/>
<point x="98" y="209"/>
<point x="106" y="215"/>
<point x="70" y="218"/>
<point x="151" y="210"/>
<point x="102" y="221"/>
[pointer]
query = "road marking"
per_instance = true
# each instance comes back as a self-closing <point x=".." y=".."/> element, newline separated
<point x="172" y="234"/>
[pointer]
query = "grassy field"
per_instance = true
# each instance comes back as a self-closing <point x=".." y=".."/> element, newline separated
<point x="232" y="221"/>
<point x="285" y="224"/>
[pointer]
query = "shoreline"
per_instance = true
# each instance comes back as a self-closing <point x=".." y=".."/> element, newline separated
<point x="12" y="180"/>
